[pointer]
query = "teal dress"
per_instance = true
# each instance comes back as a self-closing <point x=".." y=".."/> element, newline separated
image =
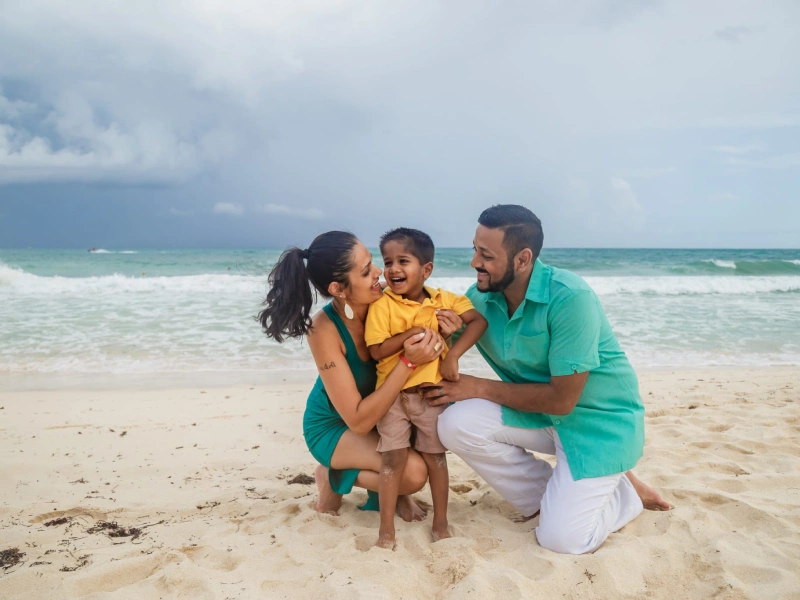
<point x="323" y="426"/>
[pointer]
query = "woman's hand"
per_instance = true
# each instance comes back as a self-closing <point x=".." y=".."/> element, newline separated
<point x="424" y="349"/>
<point x="449" y="322"/>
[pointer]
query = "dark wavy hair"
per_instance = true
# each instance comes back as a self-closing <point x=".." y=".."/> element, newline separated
<point x="287" y="307"/>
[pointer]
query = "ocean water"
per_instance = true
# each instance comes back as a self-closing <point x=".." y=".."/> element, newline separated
<point x="141" y="311"/>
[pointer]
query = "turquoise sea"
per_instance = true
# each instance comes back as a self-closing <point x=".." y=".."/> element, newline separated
<point x="139" y="311"/>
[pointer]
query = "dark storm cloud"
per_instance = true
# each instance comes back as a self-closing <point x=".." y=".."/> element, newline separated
<point x="263" y="123"/>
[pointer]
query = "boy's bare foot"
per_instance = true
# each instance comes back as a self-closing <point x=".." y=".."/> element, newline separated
<point x="440" y="530"/>
<point x="410" y="510"/>
<point x="329" y="501"/>
<point x="385" y="540"/>
<point x="651" y="499"/>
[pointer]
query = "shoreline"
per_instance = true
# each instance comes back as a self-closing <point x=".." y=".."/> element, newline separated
<point x="167" y="380"/>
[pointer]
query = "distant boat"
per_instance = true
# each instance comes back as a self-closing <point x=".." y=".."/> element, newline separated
<point x="93" y="250"/>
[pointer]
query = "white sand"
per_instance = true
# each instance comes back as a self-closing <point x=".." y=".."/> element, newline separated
<point x="204" y="473"/>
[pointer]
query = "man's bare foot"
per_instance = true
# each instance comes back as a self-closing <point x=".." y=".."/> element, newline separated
<point x="329" y="501"/>
<point x="524" y="519"/>
<point x="440" y="530"/>
<point x="651" y="499"/>
<point x="409" y="509"/>
<point x="385" y="540"/>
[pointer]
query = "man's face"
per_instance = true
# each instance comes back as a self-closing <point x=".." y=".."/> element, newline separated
<point x="491" y="261"/>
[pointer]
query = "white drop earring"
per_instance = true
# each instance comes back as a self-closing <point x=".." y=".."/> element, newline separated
<point x="348" y="312"/>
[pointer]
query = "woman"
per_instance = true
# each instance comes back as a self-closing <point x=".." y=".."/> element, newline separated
<point x="344" y="406"/>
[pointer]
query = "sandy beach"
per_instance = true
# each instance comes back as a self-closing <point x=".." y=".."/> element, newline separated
<point x="155" y="491"/>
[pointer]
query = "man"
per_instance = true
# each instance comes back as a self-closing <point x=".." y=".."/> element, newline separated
<point x="567" y="390"/>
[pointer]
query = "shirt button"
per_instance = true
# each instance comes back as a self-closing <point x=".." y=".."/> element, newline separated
<point x="557" y="422"/>
<point x="508" y="345"/>
<point x="574" y="367"/>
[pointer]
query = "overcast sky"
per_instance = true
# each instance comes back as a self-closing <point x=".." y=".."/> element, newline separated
<point x="261" y="123"/>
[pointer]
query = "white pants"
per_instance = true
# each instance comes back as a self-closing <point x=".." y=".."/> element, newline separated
<point x="577" y="516"/>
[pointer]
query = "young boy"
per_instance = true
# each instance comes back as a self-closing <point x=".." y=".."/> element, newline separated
<point x="407" y="308"/>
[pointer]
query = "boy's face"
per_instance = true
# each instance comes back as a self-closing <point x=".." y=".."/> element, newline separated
<point x="403" y="271"/>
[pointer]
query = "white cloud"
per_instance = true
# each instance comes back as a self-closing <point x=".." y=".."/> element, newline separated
<point x="177" y="212"/>
<point x="310" y="214"/>
<point x="227" y="208"/>
<point x="723" y="197"/>
<point x="650" y="172"/>
<point x="625" y="204"/>
<point x="781" y="161"/>
<point x="733" y="34"/>
<point x="413" y="103"/>
<point x="746" y="149"/>
<point x="11" y="110"/>
<point x="149" y="151"/>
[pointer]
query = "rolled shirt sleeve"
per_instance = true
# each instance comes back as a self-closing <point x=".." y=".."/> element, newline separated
<point x="462" y="304"/>
<point x="575" y="334"/>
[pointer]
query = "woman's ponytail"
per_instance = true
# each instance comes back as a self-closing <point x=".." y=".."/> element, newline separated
<point x="292" y="282"/>
<point x="287" y="311"/>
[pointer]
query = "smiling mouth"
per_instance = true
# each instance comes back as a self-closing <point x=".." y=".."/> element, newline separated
<point x="397" y="280"/>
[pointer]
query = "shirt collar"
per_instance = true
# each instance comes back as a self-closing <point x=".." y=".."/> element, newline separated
<point x="538" y="286"/>
<point x="432" y="292"/>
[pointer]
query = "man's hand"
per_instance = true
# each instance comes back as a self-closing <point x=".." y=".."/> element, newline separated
<point x="449" y="322"/>
<point x="446" y="392"/>
<point x="449" y="367"/>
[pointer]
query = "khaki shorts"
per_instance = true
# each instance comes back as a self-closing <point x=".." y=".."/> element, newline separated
<point x="410" y="409"/>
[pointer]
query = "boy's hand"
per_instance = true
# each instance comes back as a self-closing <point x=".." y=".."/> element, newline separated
<point x="449" y="367"/>
<point x="449" y="322"/>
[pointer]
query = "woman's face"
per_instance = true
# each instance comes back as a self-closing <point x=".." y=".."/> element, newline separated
<point x="364" y="285"/>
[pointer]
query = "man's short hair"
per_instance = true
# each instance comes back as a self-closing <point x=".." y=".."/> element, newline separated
<point x="521" y="228"/>
<point x="418" y="243"/>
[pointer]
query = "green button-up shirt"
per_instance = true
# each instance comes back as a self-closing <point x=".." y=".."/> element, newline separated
<point x="560" y="329"/>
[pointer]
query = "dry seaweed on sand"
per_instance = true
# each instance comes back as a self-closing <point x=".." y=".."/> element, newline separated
<point x="302" y="479"/>
<point x="60" y="521"/>
<point x="112" y="529"/>
<point x="10" y="558"/>
<point x="82" y="562"/>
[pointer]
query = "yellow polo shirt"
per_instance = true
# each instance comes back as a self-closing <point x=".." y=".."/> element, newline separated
<point x="394" y="314"/>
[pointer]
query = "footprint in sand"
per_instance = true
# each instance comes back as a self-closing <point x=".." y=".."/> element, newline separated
<point x="212" y="558"/>
<point x="111" y="577"/>
<point x="461" y="488"/>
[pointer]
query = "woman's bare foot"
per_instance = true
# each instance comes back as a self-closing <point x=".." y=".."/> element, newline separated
<point x="651" y="499"/>
<point x="329" y="501"/>
<point x="440" y="530"/>
<point x="385" y="539"/>
<point x="410" y="510"/>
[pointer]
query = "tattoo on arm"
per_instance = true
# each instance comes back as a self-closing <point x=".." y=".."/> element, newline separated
<point x="327" y="366"/>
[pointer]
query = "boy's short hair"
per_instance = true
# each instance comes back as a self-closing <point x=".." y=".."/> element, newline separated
<point x="417" y="242"/>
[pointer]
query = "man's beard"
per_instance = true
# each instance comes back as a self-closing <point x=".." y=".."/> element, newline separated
<point x="506" y="280"/>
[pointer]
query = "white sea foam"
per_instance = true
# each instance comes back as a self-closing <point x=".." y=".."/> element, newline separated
<point x="725" y="264"/>
<point x="22" y="283"/>
<point x="674" y="285"/>
<point x="671" y="286"/>
<point x="124" y="324"/>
